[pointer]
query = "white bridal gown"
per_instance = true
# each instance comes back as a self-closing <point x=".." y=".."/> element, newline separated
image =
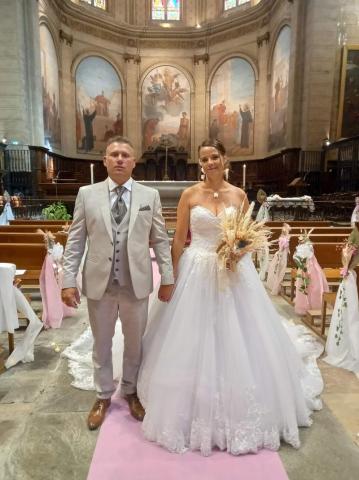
<point x="221" y="368"/>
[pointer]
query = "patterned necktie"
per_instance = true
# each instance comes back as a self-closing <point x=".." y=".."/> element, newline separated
<point x="119" y="208"/>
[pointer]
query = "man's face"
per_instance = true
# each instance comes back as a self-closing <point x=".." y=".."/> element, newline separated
<point x="119" y="161"/>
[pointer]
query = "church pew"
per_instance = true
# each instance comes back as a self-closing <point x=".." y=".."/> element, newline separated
<point x="328" y="255"/>
<point x="30" y="228"/>
<point x="18" y="237"/>
<point x="337" y="239"/>
<point x="276" y="231"/>
<point x="26" y="256"/>
<point x="301" y="224"/>
<point x="29" y="221"/>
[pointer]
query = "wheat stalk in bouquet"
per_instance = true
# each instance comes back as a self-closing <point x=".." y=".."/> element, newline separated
<point x="240" y="235"/>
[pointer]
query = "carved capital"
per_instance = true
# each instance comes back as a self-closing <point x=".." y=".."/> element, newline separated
<point x="198" y="58"/>
<point x="263" y="38"/>
<point x="135" y="58"/>
<point x="66" y="37"/>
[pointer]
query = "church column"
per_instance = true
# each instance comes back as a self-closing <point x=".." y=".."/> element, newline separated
<point x="20" y="96"/>
<point x="295" y="78"/>
<point x="132" y="101"/>
<point x="320" y="52"/>
<point x="261" y="121"/>
<point x="67" y="96"/>
<point x="200" y="104"/>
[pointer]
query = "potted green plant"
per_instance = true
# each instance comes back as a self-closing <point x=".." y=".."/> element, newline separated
<point x="56" y="211"/>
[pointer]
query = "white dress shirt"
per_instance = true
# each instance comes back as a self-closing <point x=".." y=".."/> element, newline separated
<point x="126" y="194"/>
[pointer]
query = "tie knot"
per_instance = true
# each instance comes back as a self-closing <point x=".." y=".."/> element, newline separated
<point x="120" y="190"/>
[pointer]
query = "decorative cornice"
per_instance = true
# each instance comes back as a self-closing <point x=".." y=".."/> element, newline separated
<point x="65" y="37"/>
<point x="135" y="58"/>
<point x="105" y="27"/>
<point x="263" y="38"/>
<point x="200" y="58"/>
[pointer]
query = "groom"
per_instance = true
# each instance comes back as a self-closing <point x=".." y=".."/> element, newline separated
<point x="118" y="218"/>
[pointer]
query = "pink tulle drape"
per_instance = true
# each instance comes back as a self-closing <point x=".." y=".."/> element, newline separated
<point x="318" y="284"/>
<point x="53" y="308"/>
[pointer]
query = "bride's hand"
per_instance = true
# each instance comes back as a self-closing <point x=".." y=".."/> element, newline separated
<point x="165" y="292"/>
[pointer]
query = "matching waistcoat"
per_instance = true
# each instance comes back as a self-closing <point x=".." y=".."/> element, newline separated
<point x="120" y="264"/>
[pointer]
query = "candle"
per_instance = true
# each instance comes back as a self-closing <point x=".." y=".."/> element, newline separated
<point x="91" y="172"/>
<point x="244" y="175"/>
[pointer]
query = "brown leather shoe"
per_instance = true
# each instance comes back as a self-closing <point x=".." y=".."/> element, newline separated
<point x="98" y="412"/>
<point x="136" y="409"/>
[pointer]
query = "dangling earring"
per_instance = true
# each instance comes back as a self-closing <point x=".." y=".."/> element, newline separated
<point x="203" y="175"/>
<point x="226" y="174"/>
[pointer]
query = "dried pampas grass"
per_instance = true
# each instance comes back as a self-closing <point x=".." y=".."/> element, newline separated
<point x="240" y="235"/>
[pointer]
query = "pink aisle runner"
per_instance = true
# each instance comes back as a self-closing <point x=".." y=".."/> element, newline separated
<point x="123" y="454"/>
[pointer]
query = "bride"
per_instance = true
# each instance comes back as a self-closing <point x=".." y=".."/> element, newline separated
<point x="220" y="369"/>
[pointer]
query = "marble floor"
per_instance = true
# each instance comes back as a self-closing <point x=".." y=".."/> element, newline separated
<point x="43" y="432"/>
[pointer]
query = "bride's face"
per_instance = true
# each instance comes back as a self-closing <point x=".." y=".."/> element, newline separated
<point x="211" y="161"/>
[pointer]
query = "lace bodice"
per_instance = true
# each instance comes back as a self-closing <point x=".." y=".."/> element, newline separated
<point x="205" y="228"/>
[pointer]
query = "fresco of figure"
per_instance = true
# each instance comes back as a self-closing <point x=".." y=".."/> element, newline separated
<point x="149" y="131"/>
<point x="166" y="104"/>
<point x="102" y="104"/>
<point x="247" y="119"/>
<point x="89" y="137"/>
<point x="183" y="131"/>
<point x="214" y="130"/>
<point x="118" y="125"/>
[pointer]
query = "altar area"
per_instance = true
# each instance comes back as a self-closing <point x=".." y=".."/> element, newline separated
<point x="169" y="190"/>
<point x="279" y="208"/>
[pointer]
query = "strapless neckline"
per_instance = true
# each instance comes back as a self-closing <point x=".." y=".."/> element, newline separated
<point x="210" y="211"/>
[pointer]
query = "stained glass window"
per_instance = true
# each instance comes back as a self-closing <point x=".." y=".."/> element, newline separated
<point x="166" y="10"/>
<point x="97" y="3"/>
<point x="228" y="4"/>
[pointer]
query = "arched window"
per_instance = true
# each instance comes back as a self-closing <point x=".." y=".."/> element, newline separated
<point x="97" y="3"/>
<point x="167" y="10"/>
<point x="228" y="4"/>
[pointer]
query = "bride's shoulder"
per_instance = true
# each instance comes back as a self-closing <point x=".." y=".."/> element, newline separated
<point x="190" y="192"/>
<point x="238" y="191"/>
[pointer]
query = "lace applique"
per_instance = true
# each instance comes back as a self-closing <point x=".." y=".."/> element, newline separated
<point x="257" y="430"/>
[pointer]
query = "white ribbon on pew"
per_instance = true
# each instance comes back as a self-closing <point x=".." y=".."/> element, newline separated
<point x="13" y="300"/>
<point x="342" y="345"/>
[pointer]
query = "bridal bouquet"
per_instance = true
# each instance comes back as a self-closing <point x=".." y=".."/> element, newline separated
<point x="240" y="235"/>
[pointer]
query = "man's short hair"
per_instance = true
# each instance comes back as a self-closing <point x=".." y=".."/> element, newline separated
<point x="119" y="139"/>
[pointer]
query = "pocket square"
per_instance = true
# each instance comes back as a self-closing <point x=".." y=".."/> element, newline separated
<point x="144" y="208"/>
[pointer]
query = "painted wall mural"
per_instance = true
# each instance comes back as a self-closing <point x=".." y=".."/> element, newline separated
<point x="349" y="93"/>
<point x="50" y="89"/>
<point x="98" y="105"/>
<point x="232" y="106"/>
<point x="166" y="108"/>
<point x="278" y="102"/>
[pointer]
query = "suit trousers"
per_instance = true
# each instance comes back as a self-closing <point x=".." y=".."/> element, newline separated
<point x="118" y="301"/>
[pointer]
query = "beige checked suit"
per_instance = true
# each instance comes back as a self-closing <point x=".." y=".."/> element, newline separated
<point x="126" y="296"/>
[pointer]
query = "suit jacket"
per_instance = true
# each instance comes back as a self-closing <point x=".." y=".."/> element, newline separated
<point x="92" y="222"/>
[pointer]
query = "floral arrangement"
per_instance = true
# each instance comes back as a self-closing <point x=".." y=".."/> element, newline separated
<point x="49" y="239"/>
<point x="240" y="235"/>
<point x="349" y="251"/>
<point x="303" y="252"/>
<point x="350" y="259"/>
<point x="283" y="243"/>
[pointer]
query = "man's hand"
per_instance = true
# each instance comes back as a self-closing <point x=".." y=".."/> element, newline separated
<point x="71" y="297"/>
<point x="165" y="292"/>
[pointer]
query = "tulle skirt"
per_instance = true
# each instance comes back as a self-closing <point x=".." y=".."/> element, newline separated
<point x="219" y="367"/>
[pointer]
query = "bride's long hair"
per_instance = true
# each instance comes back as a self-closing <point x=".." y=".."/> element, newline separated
<point x="218" y="145"/>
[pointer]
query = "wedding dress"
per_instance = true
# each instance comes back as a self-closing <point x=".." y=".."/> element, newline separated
<point x="220" y="368"/>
